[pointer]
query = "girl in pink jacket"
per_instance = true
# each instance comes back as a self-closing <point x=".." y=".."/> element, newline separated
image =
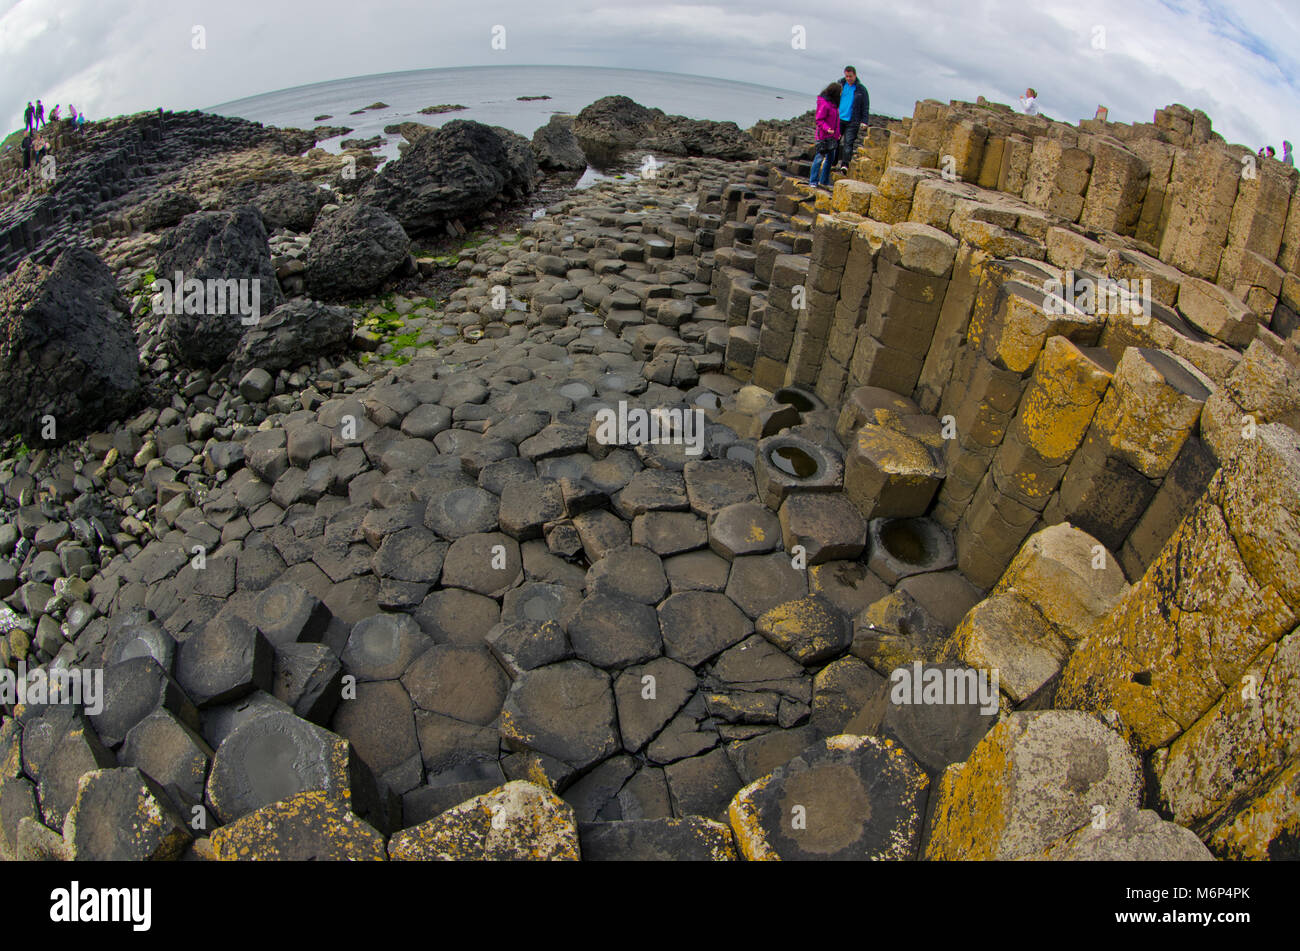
<point x="828" y="135"/>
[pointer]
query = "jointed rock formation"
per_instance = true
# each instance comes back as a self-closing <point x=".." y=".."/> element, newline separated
<point x="971" y="534"/>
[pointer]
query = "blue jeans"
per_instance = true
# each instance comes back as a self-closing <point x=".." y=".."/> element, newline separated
<point x="821" y="161"/>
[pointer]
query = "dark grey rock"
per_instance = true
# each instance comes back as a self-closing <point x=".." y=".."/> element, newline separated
<point x="66" y="349"/>
<point x="216" y="246"/>
<point x="354" y="250"/>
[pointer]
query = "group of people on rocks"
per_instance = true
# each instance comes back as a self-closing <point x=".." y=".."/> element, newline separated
<point x="35" y="146"/>
<point x="843" y="108"/>
<point x="34" y="116"/>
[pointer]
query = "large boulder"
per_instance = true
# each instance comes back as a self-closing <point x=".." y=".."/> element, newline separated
<point x="556" y="147"/>
<point x="353" y="250"/>
<point x="521" y="163"/>
<point x="216" y="248"/>
<point x="66" y="348"/>
<point x="609" y="125"/>
<point x="293" y="334"/>
<point x="453" y="173"/>
<point x="293" y="205"/>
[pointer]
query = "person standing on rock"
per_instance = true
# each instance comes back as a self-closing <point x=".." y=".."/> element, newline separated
<point x="39" y="148"/>
<point x="827" y="135"/>
<point x="1286" y="153"/>
<point x="27" y="153"/>
<point x="29" y="116"/>
<point x="855" y="110"/>
<point x="1029" y="102"/>
<point x="40" y="114"/>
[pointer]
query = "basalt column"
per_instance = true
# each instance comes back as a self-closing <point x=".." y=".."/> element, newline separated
<point x="789" y="271"/>
<point x="850" y="310"/>
<point x="1224" y="589"/>
<point x="907" y="291"/>
<point x="1055" y="413"/>
<point x="832" y="237"/>
<point x="1005" y="339"/>
<point x="1148" y="413"/>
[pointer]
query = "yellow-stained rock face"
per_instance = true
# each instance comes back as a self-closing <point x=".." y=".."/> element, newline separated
<point x="1260" y="498"/>
<point x="895" y="452"/>
<point x="744" y="818"/>
<point x="1062" y="397"/>
<point x="1020" y="326"/>
<point x="1189" y="626"/>
<point x="1221" y="591"/>
<point x="1033" y="778"/>
<point x="1246" y="737"/>
<point x="852" y="196"/>
<point x="310" y="825"/>
<point x="875" y="233"/>
<point x="1267" y="828"/>
<point x="1266" y="385"/>
<point x="1148" y="413"/>
<point x="519" y="821"/>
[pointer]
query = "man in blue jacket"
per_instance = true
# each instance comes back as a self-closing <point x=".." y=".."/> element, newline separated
<point x="855" y="109"/>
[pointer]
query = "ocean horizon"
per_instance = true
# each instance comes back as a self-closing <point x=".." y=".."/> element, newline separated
<point x="490" y="95"/>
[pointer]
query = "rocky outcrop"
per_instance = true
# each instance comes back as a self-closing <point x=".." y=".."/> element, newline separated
<point x="294" y="333"/>
<point x="454" y="173"/>
<point x="293" y="205"/>
<point x="614" y="124"/>
<point x="610" y="125"/>
<point x="67" y="351"/>
<point x="353" y="250"/>
<point x="226" y="251"/>
<point x="678" y="135"/>
<point x="113" y="160"/>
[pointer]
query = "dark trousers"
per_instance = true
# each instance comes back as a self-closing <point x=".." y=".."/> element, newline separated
<point x="848" y="142"/>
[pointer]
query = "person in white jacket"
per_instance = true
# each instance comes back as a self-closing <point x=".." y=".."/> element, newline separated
<point x="1029" y="102"/>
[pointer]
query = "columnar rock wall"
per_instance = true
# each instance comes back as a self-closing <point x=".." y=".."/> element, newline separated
<point x="1067" y="299"/>
<point x="965" y="244"/>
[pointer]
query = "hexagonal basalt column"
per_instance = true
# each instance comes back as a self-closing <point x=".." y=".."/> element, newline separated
<point x="888" y="473"/>
<point x="789" y="463"/>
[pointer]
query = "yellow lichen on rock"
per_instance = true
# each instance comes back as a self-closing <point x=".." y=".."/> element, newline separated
<point x="309" y="825"/>
<point x="519" y="821"/>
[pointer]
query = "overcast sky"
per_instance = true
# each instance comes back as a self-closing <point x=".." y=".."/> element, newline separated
<point x="1236" y="59"/>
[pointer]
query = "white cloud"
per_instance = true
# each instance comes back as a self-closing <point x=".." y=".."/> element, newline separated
<point x="1237" y="60"/>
